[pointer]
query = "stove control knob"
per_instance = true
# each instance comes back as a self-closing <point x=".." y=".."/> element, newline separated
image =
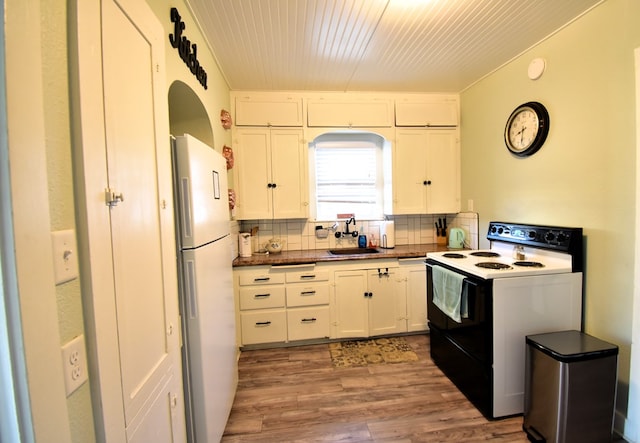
<point x="500" y="230"/>
<point x="549" y="236"/>
<point x="493" y="229"/>
<point x="532" y="235"/>
<point x="561" y="237"/>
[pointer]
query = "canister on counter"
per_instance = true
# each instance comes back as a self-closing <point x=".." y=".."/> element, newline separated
<point x="244" y="244"/>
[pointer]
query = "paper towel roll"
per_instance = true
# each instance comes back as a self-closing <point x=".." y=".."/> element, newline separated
<point x="387" y="235"/>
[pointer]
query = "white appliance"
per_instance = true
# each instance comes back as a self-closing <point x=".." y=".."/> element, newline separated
<point x="206" y="288"/>
<point x="528" y="282"/>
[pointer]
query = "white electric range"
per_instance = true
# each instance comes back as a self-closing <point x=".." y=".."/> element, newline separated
<point x="528" y="282"/>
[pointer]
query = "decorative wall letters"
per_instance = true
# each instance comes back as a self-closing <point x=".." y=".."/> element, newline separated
<point x="188" y="51"/>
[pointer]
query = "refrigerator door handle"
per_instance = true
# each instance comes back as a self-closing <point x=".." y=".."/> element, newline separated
<point x="190" y="287"/>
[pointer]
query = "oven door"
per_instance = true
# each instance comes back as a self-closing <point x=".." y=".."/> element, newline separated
<point x="473" y="335"/>
<point x="464" y="351"/>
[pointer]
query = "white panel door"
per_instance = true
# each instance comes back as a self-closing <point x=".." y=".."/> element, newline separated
<point x="443" y="171"/>
<point x="137" y="236"/>
<point x="127" y="250"/>
<point x="253" y="174"/>
<point x="387" y="302"/>
<point x="410" y="172"/>
<point x="288" y="168"/>
<point x="351" y="304"/>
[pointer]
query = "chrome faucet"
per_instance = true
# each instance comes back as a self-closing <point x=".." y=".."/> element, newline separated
<point x="346" y="231"/>
<point x="351" y="220"/>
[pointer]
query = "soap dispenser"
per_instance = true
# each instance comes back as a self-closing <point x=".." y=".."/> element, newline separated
<point x="362" y="239"/>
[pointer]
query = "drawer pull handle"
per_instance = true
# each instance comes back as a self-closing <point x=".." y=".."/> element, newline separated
<point x="261" y="295"/>
<point x="308" y="293"/>
<point x="262" y="279"/>
<point x="308" y="320"/>
<point x="263" y="323"/>
<point x="308" y="276"/>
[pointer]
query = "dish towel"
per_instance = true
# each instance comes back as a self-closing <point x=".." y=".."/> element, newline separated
<point x="448" y="294"/>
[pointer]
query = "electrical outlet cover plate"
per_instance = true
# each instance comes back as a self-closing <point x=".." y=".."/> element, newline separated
<point x="74" y="364"/>
<point x="65" y="255"/>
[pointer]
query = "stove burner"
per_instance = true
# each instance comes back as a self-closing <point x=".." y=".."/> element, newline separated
<point x="493" y="265"/>
<point x="531" y="264"/>
<point x="485" y="254"/>
<point x="453" y="255"/>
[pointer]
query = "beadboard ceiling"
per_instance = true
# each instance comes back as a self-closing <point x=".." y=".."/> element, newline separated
<point x="373" y="45"/>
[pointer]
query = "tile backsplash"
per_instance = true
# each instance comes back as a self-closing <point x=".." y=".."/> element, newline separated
<point x="409" y="229"/>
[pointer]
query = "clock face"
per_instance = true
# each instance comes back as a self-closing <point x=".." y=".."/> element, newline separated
<point x="523" y="128"/>
<point x="526" y="129"/>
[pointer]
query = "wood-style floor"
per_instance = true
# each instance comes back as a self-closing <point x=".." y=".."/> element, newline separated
<point x="295" y="395"/>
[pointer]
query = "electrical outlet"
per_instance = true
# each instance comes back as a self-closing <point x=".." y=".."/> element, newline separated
<point x="74" y="364"/>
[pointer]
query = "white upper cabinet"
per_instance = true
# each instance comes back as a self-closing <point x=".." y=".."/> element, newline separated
<point x="426" y="112"/>
<point x="271" y="173"/>
<point x="425" y="172"/>
<point x="350" y="112"/>
<point x="268" y="110"/>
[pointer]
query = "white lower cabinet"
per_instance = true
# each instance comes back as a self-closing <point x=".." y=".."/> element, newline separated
<point x="280" y="304"/>
<point x="370" y="302"/>
<point x="260" y="295"/>
<point x="415" y="272"/>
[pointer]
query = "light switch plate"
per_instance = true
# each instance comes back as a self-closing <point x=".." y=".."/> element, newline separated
<point x="74" y="364"/>
<point x="65" y="255"/>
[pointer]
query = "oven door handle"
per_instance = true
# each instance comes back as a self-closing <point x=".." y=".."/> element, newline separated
<point x="470" y="282"/>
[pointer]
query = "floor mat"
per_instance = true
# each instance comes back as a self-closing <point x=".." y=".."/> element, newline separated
<point x="370" y="352"/>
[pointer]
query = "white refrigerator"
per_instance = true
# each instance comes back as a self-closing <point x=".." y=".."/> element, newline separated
<point x="206" y="288"/>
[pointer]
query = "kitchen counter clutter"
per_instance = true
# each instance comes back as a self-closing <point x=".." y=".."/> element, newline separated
<point x="323" y="255"/>
<point x="295" y="296"/>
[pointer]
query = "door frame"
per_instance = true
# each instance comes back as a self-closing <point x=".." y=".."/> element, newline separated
<point x="40" y="398"/>
<point x="93" y="229"/>
<point x="632" y="422"/>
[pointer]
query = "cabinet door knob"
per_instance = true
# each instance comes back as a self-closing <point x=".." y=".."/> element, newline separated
<point x="426" y="182"/>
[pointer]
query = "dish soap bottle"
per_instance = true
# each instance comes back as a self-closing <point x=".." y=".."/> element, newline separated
<point x="362" y="239"/>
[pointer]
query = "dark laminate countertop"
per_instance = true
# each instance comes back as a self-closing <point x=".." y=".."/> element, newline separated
<point x="323" y="255"/>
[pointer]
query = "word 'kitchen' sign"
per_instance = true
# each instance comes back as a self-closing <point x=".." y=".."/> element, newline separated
<point x="185" y="47"/>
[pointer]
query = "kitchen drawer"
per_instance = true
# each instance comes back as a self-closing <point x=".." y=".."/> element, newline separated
<point x="307" y="323"/>
<point x="266" y="326"/>
<point x="307" y="295"/>
<point x="264" y="278"/>
<point x="305" y="276"/>
<point x="262" y="297"/>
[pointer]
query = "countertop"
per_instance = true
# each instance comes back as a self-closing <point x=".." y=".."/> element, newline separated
<point x="323" y="255"/>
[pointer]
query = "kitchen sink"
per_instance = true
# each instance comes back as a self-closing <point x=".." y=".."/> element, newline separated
<point x="353" y="251"/>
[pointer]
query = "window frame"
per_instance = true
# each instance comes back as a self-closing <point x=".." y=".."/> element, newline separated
<point x="355" y="138"/>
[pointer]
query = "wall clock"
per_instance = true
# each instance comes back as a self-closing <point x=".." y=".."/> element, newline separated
<point x="527" y="129"/>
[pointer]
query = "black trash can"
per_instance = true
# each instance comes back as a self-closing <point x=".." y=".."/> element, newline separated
<point x="570" y="388"/>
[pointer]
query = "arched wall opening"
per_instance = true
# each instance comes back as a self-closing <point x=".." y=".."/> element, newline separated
<point x="187" y="114"/>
